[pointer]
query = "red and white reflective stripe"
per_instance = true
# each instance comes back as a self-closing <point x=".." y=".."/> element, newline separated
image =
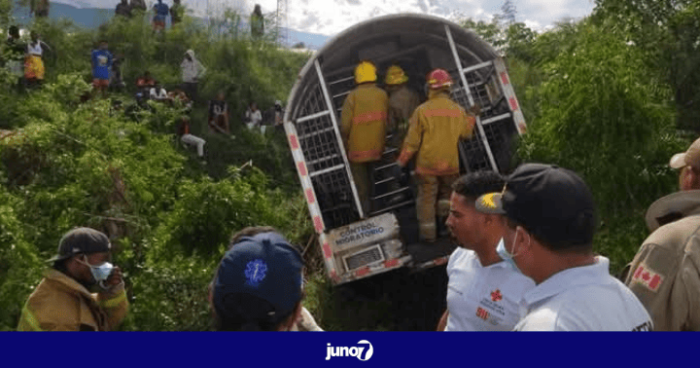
<point x="508" y="90"/>
<point x="310" y="196"/>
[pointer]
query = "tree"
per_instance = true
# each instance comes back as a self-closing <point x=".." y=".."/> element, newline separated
<point x="668" y="33"/>
<point x="509" y="11"/>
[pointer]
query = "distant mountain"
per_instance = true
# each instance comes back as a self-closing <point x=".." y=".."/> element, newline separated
<point x="92" y="18"/>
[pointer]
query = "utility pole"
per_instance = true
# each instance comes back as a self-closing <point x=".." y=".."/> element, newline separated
<point x="282" y="32"/>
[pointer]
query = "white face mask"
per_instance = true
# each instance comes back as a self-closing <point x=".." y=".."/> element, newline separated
<point x="505" y="254"/>
<point x="101" y="272"/>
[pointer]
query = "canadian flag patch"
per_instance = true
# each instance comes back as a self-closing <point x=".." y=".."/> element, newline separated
<point x="645" y="276"/>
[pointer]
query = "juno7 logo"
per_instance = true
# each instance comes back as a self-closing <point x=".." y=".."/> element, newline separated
<point x="358" y="352"/>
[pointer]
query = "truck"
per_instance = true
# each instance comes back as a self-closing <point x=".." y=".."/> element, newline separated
<point x="357" y="245"/>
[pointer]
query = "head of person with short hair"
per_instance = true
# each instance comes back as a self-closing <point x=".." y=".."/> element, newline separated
<point x="220" y="96"/>
<point x="258" y="285"/>
<point x="84" y="254"/>
<point x="34" y="36"/>
<point x="689" y="164"/>
<point x="64" y="300"/>
<point x="470" y="228"/>
<point x="13" y="32"/>
<point x="103" y="45"/>
<point x="551" y="219"/>
<point x="549" y="238"/>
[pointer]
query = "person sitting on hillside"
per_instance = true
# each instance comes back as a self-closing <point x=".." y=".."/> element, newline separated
<point x="219" y="114"/>
<point x="253" y="116"/>
<point x="158" y="93"/>
<point x="138" y="5"/>
<point x="176" y="12"/>
<point x="101" y="65"/>
<point x="183" y="131"/>
<point x="179" y="98"/>
<point x="134" y="110"/>
<point x="161" y="13"/>
<point x="39" y="8"/>
<point x="145" y="82"/>
<point x="123" y="9"/>
<point x="116" y="83"/>
<point x="269" y="298"/>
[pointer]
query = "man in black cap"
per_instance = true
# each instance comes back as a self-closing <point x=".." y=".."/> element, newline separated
<point x="549" y="237"/>
<point x="63" y="302"/>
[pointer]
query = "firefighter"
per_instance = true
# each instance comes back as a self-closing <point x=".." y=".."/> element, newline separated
<point x="363" y="127"/>
<point x="402" y="102"/>
<point x="434" y="132"/>
<point x="63" y="300"/>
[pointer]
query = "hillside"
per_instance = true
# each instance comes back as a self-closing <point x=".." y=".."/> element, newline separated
<point x="92" y="17"/>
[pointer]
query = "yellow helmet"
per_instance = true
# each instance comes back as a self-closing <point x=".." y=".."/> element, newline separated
<point x="365" y="72"/>
<point x="395" y="75"/>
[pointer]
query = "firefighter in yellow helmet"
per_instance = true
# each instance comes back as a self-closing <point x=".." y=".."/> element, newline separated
<point x="363" y="127"/>
<point x="402" y="102"/>
<point x="434" y="132"/>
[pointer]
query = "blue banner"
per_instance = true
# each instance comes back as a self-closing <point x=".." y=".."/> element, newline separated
<point x="352" y="349"/>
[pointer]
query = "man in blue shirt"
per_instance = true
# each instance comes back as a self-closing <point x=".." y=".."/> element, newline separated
<point x="162" y="12"/>
<point x="101" y="64"/>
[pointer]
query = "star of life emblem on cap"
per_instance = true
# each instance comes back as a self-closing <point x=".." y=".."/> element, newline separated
<point x="255" y="272"/>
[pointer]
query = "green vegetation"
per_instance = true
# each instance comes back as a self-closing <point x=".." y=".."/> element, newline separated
<point x="66" y="164"/>
<point x="606" y="97"/>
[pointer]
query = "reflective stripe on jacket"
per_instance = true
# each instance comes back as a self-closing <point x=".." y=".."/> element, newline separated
<point x="434" y="132"/>
<point x="60" y="303"/>
<point x="363" y="123"/>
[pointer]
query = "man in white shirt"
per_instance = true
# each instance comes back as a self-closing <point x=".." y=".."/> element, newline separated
<point x="549" y="237"/>
<point x="158" y="93"/>
<point x="483" y="292"/>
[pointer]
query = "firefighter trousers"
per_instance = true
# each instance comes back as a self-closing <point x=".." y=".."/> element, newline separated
<point x="433" y="198"/>
<point x="361" y="176"/>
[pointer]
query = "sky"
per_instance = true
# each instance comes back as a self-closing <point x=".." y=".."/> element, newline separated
<point x="330" y="17"/>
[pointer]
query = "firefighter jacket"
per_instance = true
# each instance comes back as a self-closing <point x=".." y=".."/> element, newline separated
<point x="434" y="132"/>
<point x="402" y="102"/>
<point x="60" y="303"/>
<point x="363" y="123"/>
<point x="665" y="273"/>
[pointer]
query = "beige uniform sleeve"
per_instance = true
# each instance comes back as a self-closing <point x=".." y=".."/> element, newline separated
<point x="468" y="127"/>
<point x="115" y="305"/>
<point x="346" y="118"/>
<point x="413" y="138"/>
<point x="666" y="284"/>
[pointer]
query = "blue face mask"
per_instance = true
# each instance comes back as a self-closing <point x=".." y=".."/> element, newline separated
<point x="505" y="254"/>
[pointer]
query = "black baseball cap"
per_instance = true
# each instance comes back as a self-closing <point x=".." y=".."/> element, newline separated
<point x="81" y="240"/>
<point x="265" y="266"/>
<point x="552" y="203"/>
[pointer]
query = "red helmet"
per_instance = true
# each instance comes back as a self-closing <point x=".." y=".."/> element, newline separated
<point x="439" y="78"/>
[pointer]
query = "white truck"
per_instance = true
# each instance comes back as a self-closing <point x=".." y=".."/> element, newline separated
<point x="358" y="245"/>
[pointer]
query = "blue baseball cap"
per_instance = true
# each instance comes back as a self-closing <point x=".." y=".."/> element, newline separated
<point x="265" y="266"/>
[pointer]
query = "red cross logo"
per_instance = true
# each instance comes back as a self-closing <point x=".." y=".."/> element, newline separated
<point x="496" y="295"/>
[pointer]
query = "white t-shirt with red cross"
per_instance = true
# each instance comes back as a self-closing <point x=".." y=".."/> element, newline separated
<point x="483" y="298"/>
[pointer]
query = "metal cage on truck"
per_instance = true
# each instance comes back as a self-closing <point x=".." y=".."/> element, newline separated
<point x="355" y="244"/>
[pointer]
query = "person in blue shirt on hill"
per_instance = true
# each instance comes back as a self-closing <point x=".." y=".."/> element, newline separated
<point x="101" y="64"/>
<point x="162" y="12"/>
